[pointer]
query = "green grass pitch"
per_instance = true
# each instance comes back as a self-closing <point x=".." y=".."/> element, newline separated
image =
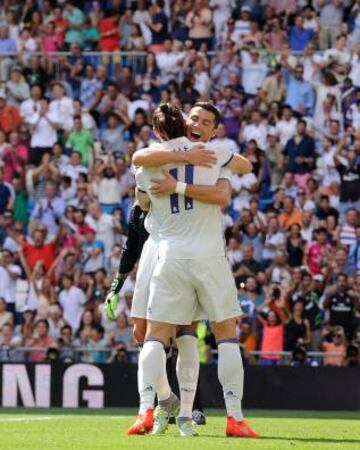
<point x="58" y="429"/>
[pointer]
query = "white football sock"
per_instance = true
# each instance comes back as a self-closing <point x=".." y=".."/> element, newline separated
<point x="231" y="377"/>
<point x="163" y="388"/>
<point x="152" y="361"/>
<point x="187" y="371"/>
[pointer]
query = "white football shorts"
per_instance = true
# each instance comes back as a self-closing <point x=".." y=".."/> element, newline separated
<point x="147" y="264"/>
<point x="184" y="290"/>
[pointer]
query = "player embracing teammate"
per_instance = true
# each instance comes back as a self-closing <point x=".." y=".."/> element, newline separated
<point x="188" y="276"/>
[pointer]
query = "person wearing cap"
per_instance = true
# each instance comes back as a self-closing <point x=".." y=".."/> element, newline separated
<point x="242" y="25"/>
<point x="16" y="88"/>
<point x="93" y="252"/>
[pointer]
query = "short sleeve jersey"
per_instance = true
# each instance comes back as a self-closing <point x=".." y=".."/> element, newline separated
<point x="187" y="228"/>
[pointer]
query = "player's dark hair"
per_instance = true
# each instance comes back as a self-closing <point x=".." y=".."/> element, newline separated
<point x="168" y="121"/>
<point x="211" y="108"/>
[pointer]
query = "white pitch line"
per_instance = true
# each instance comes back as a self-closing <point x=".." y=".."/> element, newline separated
<point x="27" y="419"/>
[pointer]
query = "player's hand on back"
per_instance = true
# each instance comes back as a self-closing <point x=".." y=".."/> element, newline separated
<point x="200" y="156"/>
<point x="163" y="186"/>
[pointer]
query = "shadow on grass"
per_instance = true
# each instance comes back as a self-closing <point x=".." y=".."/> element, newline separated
<point x="285" y="438"/>
<point x="122" y="412"/>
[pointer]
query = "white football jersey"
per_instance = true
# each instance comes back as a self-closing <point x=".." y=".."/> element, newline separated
<point x="187" y="228"/>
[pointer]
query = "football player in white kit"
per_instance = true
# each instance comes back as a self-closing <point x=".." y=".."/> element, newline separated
<point x="186" y="337"/>
<point x="192" y="272"/>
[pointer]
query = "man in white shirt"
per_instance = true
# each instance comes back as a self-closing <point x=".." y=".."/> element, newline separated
<point x="244" y="188"/>
<point x="103" y="225"/>
<point x="256" y="130"/>
<point x="74" y="168"/>
<point x="72" y="300"/>
<point x="9" y="273"/>
<point x="169" y="62"/>
<point x="274" y="241"/>
<point x="286" y="127"/>
<point x="254" y="71"/>
<point x="44" y="135"/>
<point x="62" y="107"/>
<point x="31" y="105"/>
<point x="222" y="139"/>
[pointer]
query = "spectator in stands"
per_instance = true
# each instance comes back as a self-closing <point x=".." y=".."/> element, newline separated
<point x="5" y="316"/>
<point x="335" y="343"/>
<point x="9" y="274"/>
<point x="62" y="107"/>
<point x="66" y="345"/>
<point x="254" y="71"/>
<point x="10" y="118"/>
<point x="93" y="252"/>
<point x="9" y="342"/>
<point x="300" y="154"/>
<point x="300" y="93"/>
<point x="297" y="330"/>
<point x="75" y="19"/>
<point x="158" y="25"/>
<point x="72" y="299"/>
<point x="39" y="250"/>
<point x="342" y="305"/>
<point x="306" y="293"/>
<point x="16" y="88"/>
<point x="49" y="210"/>
<point x="330" y="21"/>
<point x="41" y="342"/>
<point x="7" y="49"/>
<point x="122" y="333"/>
<point x="300" y="36"/>
<point x="81" y="140"/>
<point x="6" y="194"/>
<point x="272" y="338"/>
<point x="199" y="22"/>
<point x="290" y="215"/>
<point x="44" y="125"/>
<point x="319" y="252"/>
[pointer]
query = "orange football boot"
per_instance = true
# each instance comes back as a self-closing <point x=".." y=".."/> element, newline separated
<point x="239" y="429"/>
<point x="143" y="423"/>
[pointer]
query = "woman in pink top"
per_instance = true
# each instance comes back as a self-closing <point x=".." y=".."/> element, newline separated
<point x="50" y="40"/>
<point x="272" y="338"/>
<point x="319" y="252"/>
<point x="14" y="157"/>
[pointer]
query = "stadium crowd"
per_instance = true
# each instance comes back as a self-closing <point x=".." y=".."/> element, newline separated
<point x="285" y="76"/>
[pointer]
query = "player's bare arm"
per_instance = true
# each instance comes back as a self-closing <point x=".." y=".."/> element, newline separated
<point x="143" y="199"/>
<point x="219" y="194"/>
<point x="239" y="164"/>
<point x="197" y="156"/>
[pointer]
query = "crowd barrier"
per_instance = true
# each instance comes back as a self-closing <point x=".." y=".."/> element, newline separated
<point x="114" y="385"/>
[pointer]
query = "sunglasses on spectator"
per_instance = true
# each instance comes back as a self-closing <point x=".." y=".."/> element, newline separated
<point x="338" y="335"/>
<point x="301" y="192"/>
